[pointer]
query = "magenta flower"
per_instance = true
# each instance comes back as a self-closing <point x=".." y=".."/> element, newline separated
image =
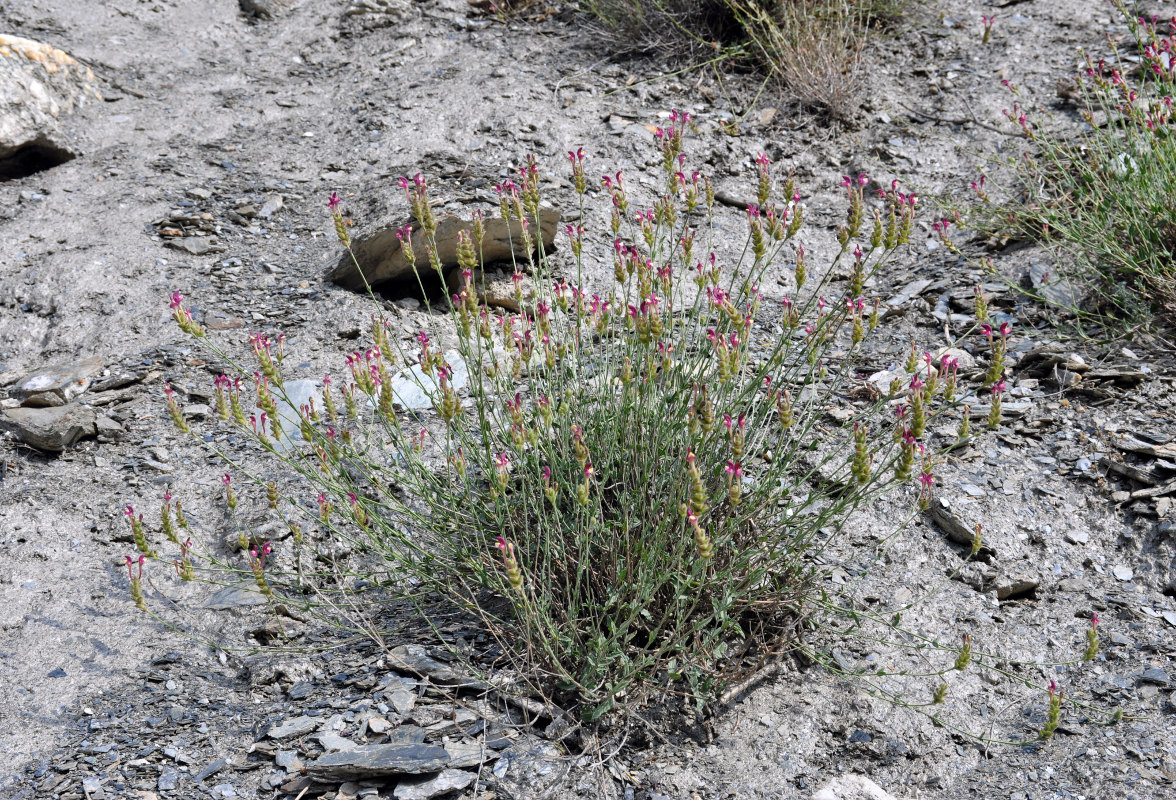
<point x="333" y="202"/>
<point x="1094" y="620"/>
<point x="176" y="299"/>
<point x="927" y="479"/>
<point x="227" y="479"/>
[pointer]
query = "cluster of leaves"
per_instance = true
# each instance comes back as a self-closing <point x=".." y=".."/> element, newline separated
<point x="635" y="479"/>
<point x="1103" y="197"/>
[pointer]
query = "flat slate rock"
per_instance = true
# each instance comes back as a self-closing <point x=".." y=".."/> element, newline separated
<point x="450" y="780"/>
<point x="380" y="257"/>
<point x="49" y="429"/>
<point x="414" y="659"/>
<point x="379" y="760"/>
<point x="299" y="726"/>
<point x="245" y="594"/>
<point x="56" y="384"/>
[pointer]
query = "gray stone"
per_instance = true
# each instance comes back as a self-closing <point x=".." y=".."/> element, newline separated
<point x="299" y="726"/>
<point x="1123" y="572"/>
<point x="414" y="659"/>
<point x="49" y="429"/>
<point x="334" y="743"/>
<point x="1154" y="675"/>
<point x="942" y="514"/>
<point x="908" y="293"/>
<point x="379" y="760"/>
<point x="1011" y="587"/>
<point x="498" y="289"/>
<point x="56" y="384"/>
<point x="39" y="85"/>
<point x="381" y="258"/>
<point x="196" y="411"/>
<point x="93" y="788"/>
<point x="271" y="206"/>
<point x="169" y="779"/>
<point x="196" y="245"/>
<point x="450" y="780"/>
<point x="378" y="725"/>
<point x="413" y="389"/>
<point x="243" y="594"/>
<point x="1048" y="282"/>
<point x="469" y="754"/>
<point x="107" y="429"/>
<point x="402" y="700"/>
<point x="288" y="760"/>
<point x="212" y="769"/>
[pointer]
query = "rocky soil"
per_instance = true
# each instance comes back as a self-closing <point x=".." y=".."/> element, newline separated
<point x="205" y="168"/>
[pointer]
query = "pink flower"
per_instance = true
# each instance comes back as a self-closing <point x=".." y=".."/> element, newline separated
<point x="227" y="479"/>
<point x="333" y="202"/>
<point x="927" y="479"/>
<point x="1094" y="620"/>
<point x="500" y="542"/>
<point x="176" y="299"/>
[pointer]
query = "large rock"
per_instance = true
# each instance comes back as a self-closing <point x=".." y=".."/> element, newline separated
<point x="381" y="257"/>
<point x="379" y="761"/>
<point x="56" y="384"/>
<point x="39" y="86"/>
<point x="49" y="429"/>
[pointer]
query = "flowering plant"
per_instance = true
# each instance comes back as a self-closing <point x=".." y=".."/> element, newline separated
<point x="624" y="480"/>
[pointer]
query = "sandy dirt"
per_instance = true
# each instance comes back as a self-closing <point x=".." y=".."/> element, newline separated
<point x="206" y="111"/>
